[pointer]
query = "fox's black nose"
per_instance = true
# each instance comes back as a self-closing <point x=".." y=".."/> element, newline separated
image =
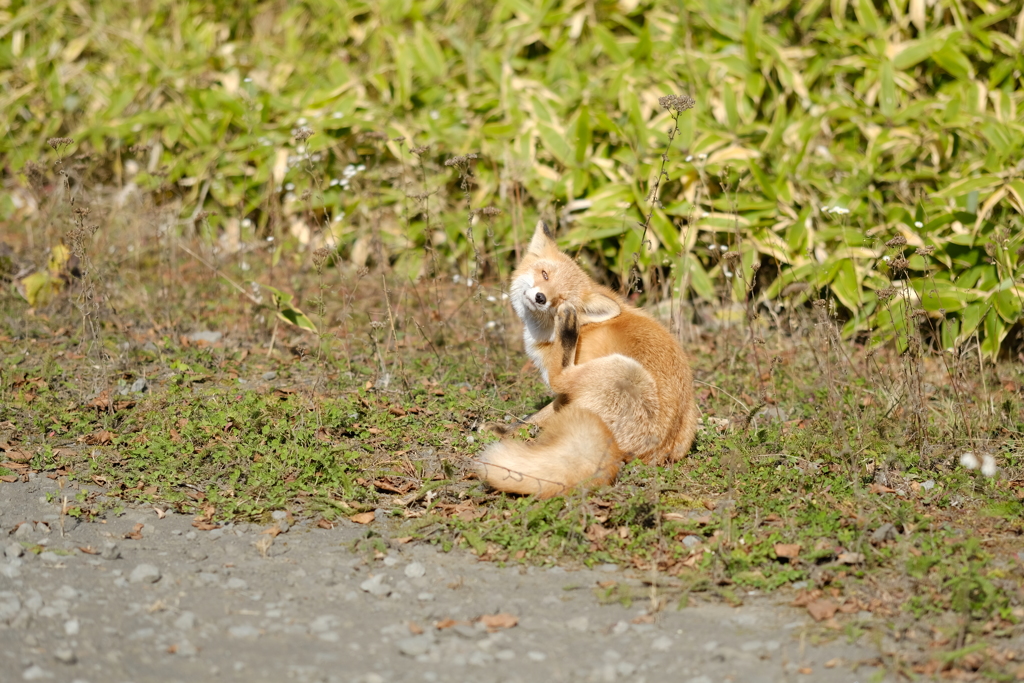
<point x="540" y="298"/>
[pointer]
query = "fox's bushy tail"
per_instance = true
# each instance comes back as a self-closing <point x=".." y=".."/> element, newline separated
<point x="575" y="448"/>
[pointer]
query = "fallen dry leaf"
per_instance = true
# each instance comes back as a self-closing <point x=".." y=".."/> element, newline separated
<point x="272" y="531"/>
<point x="878" y="488"/>
<point x="805" y="670"/>
<point x="136" y="533"/>
<point x="363" y="517"/>
<point x="18" y="456"/>
<point x="415" y="628"/>
<point x="445" y="623"/>
<point x="204" y="526"/>
<point x="88" y="550"/>
<point x="789" y="551"/>
<point x="833" y="663"/>
<point x="822" y="609"/>
<point x="160" y="513"/>
<point x="643" y="619"/>
<point x="495" y="622"/>
<point x="9" y="478"/>
<point x="402" y="540"/>
<point x="100" y="438"/>
<point x="325" y="524"/>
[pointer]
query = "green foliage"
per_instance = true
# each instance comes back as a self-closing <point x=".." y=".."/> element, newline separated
<point x="905" y="117"/>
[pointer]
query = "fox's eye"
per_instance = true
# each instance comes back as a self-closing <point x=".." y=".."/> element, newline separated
<point x="544" y="274"/>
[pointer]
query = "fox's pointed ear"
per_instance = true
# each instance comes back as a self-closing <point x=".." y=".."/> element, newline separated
<point x="598" y="308"/>
<point x="542" y="240"/>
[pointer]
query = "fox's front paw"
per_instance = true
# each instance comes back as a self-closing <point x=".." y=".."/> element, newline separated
<point x="567" y="329"/>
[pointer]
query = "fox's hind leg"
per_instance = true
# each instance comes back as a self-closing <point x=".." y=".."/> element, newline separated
<point x="615" y="387"/>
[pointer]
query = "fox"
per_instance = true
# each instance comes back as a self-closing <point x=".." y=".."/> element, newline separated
<point x="623" y="385"/>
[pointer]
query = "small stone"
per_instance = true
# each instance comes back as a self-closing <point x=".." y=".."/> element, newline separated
<point x="139" y="385"/>
<point x="886" y="532"/>
<point x="186" y="621"/>
<point x="269" y="376"/>
<point x="324" y="623"/>
<point x="662" y="644"/>
<point x="186" y="649"/>
<point x="691" y="541"/>
<point x="24" y="530"/>
<point x="505" y="655"/>
<point x="145" y="573"/>
<point x="36" y="673"/>
<point x="10" y="605"/>
<point x="65" y="655"/>
<point x="111" y="552"/>
<point x="375" y="586"/>
<point x="415" y="570"/>
<point x="620" y="628"/>
<point x="67" y="592"/>
<point x="536" y="655"/>
<point x="580" y="624"/>
<point x="390" y="561"/>
<point x="13" y="550"/>
<point x="11" y="570"/>
<point x="699" y="679"/>
<point x="50" y="556"/>
<point x="71" y="627"/>
<point x="243" y="631"/>
<point x="751" y="646"/>
<point x="42" y="528"/>
<point x="235" y="583"/>
<point x="607" y="568"/>
<point x="415" y="646"/>
<point x="928" y="485"/>
<point x="425" y="597"/>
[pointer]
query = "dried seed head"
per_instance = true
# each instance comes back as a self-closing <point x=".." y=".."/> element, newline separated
<point x="376" y="325"/>
<point x="419" y="150"/>
<point x="55" y="143"/>
<point x="303" y="134"/>
<point x="76" y="242"/>
<point x="925" y="251"/>
<point x="399" y="139"/>
<point x="676" y="103"/>
<point x="731" y="256"/>
<point x="886" y="293"/>
<point x="376" y="135"/>
<point x="306" y="194"/>
<point x="320" y="257"/>
<point x="899" y="263"/>
<point x="490" y="211"/>
<point x="897" y="241"/>
<point x="461" y="161"/>
<point x="755" y="266"/>
<point x="202" y="216"/>
<point x="819" y="303"/>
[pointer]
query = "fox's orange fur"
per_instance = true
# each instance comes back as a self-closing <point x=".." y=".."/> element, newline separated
<point x="623" y="385"/>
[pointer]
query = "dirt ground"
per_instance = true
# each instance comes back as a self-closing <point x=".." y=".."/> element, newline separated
<point x="140" y="597"/>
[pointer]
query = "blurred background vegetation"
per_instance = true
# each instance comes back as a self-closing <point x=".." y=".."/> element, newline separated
<point x="865" y="153"/>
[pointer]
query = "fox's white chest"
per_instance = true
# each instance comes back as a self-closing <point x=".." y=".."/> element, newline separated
<point x="531" y="343"/>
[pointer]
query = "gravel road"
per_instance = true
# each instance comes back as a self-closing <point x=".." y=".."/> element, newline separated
<point x="178" y="604"/>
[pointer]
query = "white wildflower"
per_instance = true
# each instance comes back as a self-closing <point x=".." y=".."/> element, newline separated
<point x="969" y="460"/>
<point x="988" y="465"/>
